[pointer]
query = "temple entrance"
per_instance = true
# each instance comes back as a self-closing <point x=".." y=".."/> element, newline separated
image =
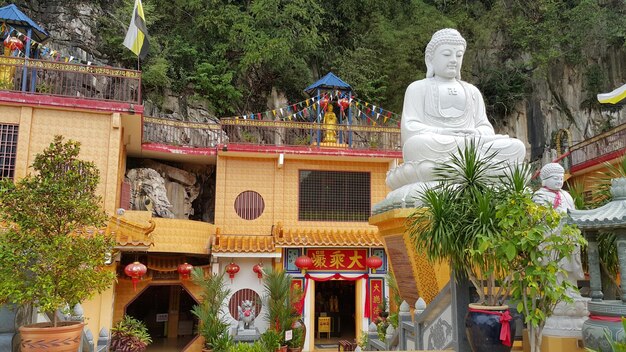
<point x="166" y="311"/>
<point x="335" y="315"/>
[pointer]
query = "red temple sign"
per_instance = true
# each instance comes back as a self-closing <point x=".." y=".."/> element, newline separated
<point x="376" y="296"/>
<point x="338" y="259"/>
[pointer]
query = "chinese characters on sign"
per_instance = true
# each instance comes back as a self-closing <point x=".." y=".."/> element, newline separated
<point x="337" y="259"/>
<point x="376" y="296"/>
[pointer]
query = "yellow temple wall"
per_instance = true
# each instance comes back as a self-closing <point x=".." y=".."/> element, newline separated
<point x="279" y="188"/>
<point x="100" y="135"/>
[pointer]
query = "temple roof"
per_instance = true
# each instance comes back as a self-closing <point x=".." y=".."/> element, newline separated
<point x="15" y="18"/>
<point x="243" y="244"/>
<point x="330" y="81"/>
<point x="298" y="237"/>
<point x="610" y="216"/>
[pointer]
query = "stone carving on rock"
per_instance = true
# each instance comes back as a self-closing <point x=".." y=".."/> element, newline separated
<point x="147" y="190"/>
<point x="441" y="113"/>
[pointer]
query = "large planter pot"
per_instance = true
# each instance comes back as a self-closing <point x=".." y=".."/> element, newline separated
<point x="602" y="323"/>
<point x="483" y="326"/>
<point x="42" y="337"/>
<point x="281" y="349"/>
<point x="294" y="349"/>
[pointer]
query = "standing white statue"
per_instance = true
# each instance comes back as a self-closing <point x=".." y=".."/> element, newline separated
<point x="440" y="114"/>
<point x="567" y="319"/>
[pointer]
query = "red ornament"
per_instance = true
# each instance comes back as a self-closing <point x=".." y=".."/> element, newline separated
<point x="343" y="103"/>
<point x="13" y="43"/>
<point x="374" y="263"/>
<point x="324" y="102"/>
<point x="232" y="269"/>
<point x="304" y="262"/>
<point x="135" y="270"/>
<point x="258" y="269"/>
<point x="184" y="270"/>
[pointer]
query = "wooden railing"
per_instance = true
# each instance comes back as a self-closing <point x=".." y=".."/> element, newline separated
<point x="609" y="144"/>
<point x="70" y="80"/>
<point x="269" y="133"/>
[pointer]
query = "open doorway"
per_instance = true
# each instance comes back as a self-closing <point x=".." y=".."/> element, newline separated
<point x="335" y="302"/>
<point x="166" y="311"/>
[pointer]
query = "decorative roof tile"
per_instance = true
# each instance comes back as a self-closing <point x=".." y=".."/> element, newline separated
<point x="609" y="216"/>
<point x="243" y="244"/>
<point x="327" y="238"/>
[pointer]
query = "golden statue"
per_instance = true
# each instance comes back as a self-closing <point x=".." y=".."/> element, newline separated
<point x="330" y="124"/>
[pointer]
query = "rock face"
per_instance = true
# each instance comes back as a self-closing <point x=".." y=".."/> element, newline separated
<point x="173" y="192"/>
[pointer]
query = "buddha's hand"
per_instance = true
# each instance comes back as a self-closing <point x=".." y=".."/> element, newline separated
<point x="459" y="132"/>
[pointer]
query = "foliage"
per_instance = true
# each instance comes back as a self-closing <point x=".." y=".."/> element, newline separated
<point x="248" y="347"/>
<point x="270" y="339"/>
<point x="282" y="301"/>
<point x="540" y="241"/>
<point x="297" y="338"/>
<point x="53" y="252"/>
<point x="489" y="228"/>
<point x="129" y="335"/>
<point x="363" y="340"/>
<point x="213" y="327"/>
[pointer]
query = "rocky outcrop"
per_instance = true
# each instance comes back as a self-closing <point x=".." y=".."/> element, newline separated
<point x="147" y="192"/>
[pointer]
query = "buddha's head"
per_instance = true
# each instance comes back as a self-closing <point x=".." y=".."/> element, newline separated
<point x="330" y="108"/>
<point x="445" y="42"/>
<point x="552" y="175"/>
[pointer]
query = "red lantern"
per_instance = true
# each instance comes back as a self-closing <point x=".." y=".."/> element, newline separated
<point x="13" y="43"/>
<point x="374" y="263"/>
<point x="184" y="270"/>
<point x="232" y="269"/>
<point x="344" y="103"/>
<point x="304" y="262"/>
<point x="135" y="270"/>
<point x="258" y="269"/>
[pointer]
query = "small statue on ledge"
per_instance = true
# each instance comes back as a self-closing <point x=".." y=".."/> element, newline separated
<point x="246" y="315"/>
<point x="330" y="124"/>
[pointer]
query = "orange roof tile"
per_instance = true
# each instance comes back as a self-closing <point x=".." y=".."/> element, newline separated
<point x="327" y="238"/>
<point x="244" y="244"/>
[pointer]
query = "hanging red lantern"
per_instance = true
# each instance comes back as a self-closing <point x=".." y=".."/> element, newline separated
<point x="258" y="269"/>
<point x="13" y="43"/>
<point x="135" y="270"/>
<point x="374" y="262"/>
<point x="343" y="103"/>
<point x="184" y="270"/>
<point x="304" y="262"/>
<point x="232" y="269"/>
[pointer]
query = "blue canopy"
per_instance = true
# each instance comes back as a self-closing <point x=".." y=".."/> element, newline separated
<point x="330" y="81"/>
<point x="15" y="18"/>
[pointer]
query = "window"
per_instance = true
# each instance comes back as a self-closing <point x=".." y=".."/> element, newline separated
<point x="334" y="196"/>
<point x="249" y="205"/>
<point x="8" y="150"/>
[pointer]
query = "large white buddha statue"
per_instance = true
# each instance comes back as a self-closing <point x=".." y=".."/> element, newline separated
<point x="441" y="113"/>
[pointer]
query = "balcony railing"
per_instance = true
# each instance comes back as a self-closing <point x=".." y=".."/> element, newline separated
<point x="606" y="145"/>
<point x="70" y="80"/>
<point x="269" y="133"/>
<point x="288" y="133"/>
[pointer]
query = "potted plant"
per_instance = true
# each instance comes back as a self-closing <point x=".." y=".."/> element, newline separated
<point x="297" y="341"/>
<point x="129" y="335"/>
<point x="477" y="219"/>
<point x="210" y="311"/>
<point x="53" y="249"/>
<point x="277" y="286"/>
<point x="271" y="340"/>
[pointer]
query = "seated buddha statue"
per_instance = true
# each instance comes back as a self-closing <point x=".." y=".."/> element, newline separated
<point x="330" y="124"/>
<point x="441" y="113"/>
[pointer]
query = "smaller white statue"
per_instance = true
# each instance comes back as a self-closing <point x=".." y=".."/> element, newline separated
<point x="246" y="315"/>
<point x="567" y="319"/>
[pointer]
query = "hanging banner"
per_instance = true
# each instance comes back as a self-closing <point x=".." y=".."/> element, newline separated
<point x="376" y="288"/>
<point x="337" y="259"/>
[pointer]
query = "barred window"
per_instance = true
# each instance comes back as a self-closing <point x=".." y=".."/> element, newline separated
<point x="8" y="150"/>
<point x="249" y="205"/>
<point x="334" y="196"/>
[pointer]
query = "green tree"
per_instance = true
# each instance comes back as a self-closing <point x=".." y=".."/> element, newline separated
<point x="52" y="254"/>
